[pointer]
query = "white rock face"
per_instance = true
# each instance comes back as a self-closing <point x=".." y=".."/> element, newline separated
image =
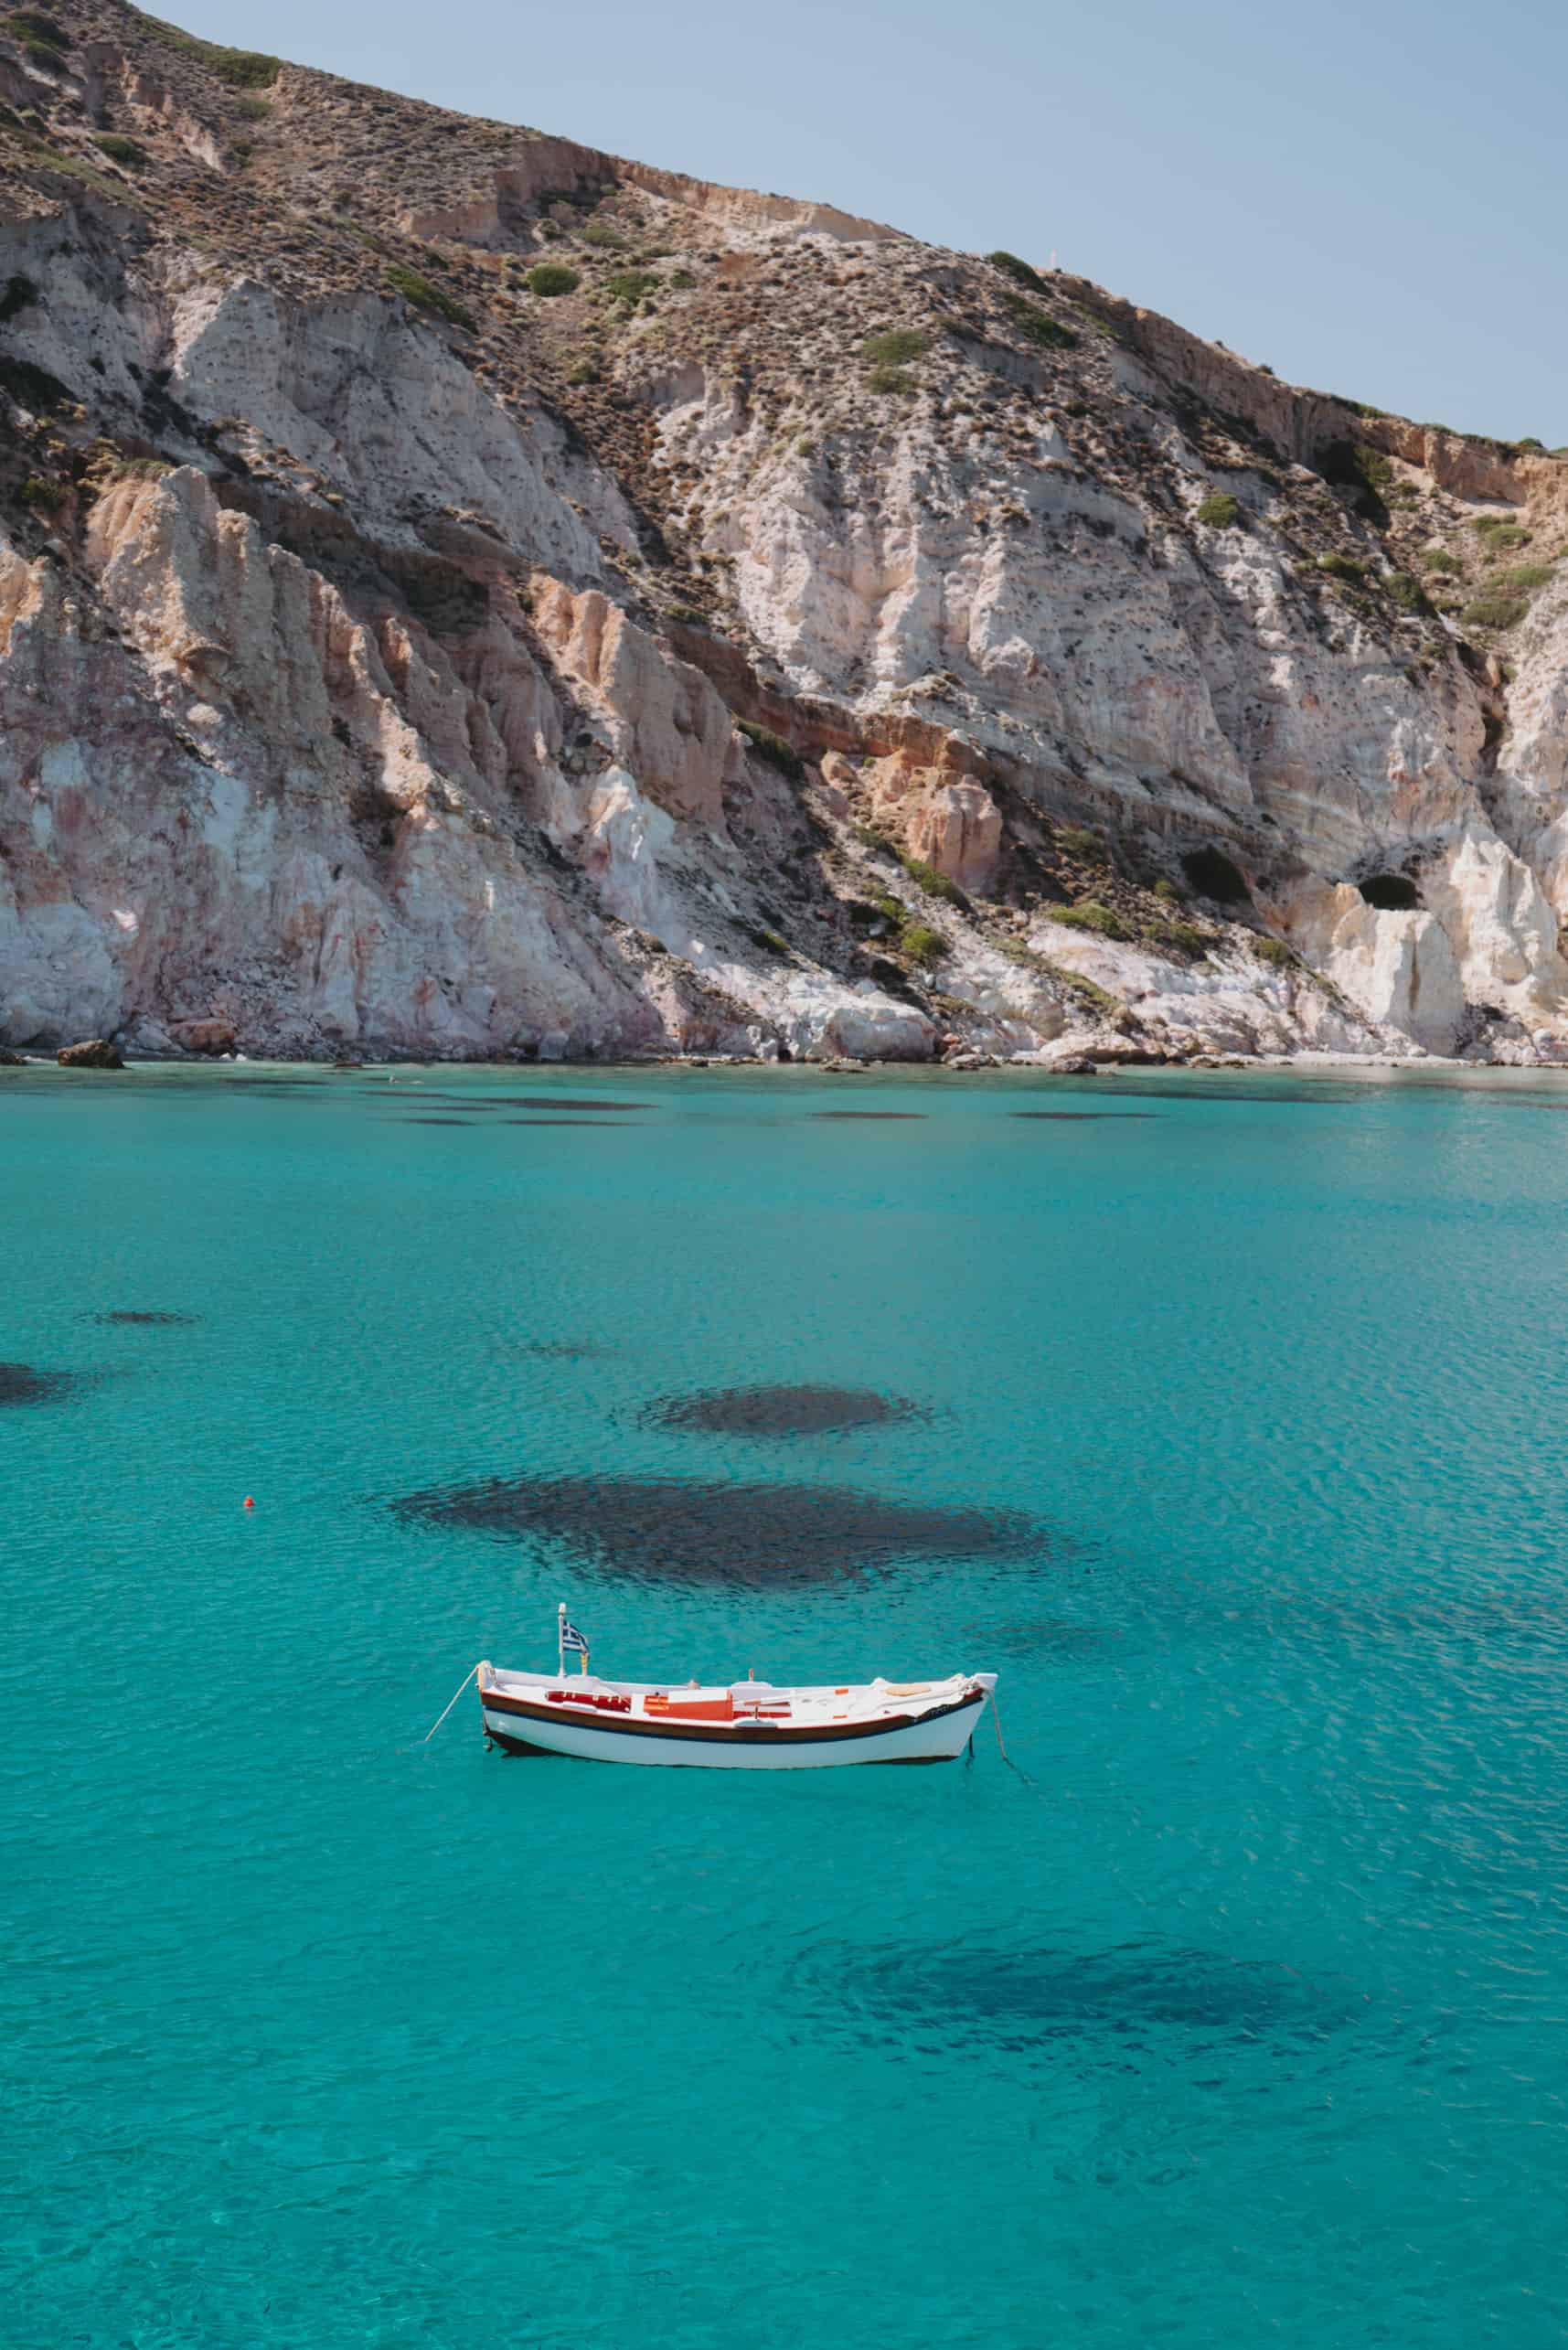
<point x="253" y="807"/>
<point x="1067" y="622"/>
<point x="1502" y="928"/>
<point x="1398" y="969"/>
<point x="1227" y="1004"/>
<point x="383" y="737"/>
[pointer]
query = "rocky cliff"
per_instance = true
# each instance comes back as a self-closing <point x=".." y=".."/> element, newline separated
<point x="462" y="593"/>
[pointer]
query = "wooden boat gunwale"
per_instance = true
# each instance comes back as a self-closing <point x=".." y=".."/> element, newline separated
<point x="754" y="1733"/>
<point x="588" y="1720"/>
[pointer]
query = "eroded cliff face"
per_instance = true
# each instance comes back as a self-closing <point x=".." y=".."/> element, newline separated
<point x="464" y="594"/>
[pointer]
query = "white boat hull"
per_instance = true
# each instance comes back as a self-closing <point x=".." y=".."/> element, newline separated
<point x="524" y="1719"/>
<point x="939" y="1741"/>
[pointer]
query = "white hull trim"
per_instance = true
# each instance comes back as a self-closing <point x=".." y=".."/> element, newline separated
<point x="938" y="1739"/>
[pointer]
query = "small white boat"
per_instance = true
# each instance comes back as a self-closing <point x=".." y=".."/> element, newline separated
<point x="734" y="1725"/>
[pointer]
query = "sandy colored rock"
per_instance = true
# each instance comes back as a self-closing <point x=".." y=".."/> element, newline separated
<point x="207" y="1036"/>
<point x="949" y="822"/>
<point x="660" y="717"/>
<point x="94" y="1053"/>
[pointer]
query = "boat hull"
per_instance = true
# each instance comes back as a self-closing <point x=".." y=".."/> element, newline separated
<point x="937" y="1737"/>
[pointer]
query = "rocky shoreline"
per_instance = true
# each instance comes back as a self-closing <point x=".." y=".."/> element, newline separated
<point x="1086" y="1059"/>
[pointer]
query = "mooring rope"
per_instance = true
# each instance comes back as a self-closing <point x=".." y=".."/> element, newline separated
<point x="435" y="1726"/>
<point x="996" y="1717"/>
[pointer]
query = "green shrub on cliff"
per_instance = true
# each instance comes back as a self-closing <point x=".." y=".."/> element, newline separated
<point x="1020" y="272"/>
<point x="774" y="748"/>
<point x="33" y="25"/>
<point x="241" y="69"/>
<point x="1220" y="511"/>
<point x="1183" y="937"/>
<point x="119" y="149"/>
<point x="631" y="285"/>
<point x="896" y="347"/>
<point x="1523" y="578"/>
<point x="1495" y="611"/>
<point x="1037" y="327"/>
<point x="548" y="279"/>
<point x="922" y="944"/>
<point x="1091" y="916"/>
<point x="1438" y="559"/>
<point x="937" y="884"/>
<point x="1079" y="841"/>
<point x="425" y="296"/>
<point x="39" y="37"/>
<point x="888" y="353"/>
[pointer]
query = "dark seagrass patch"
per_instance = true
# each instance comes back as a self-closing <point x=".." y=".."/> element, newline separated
<point x="579" y="1104"/>
<point x="803" y="1411"/>
<point x="715" y="1536"/>
<point x="146" y="1317"/>
<point x="1023" y="1997"/>
<point x="22" y="1383"/>
<point x="559" y="1350"/>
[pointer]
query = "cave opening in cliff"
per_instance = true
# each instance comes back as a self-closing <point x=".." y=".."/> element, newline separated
<point x="1391" y="893"/>
<point x="1212" y="875"/>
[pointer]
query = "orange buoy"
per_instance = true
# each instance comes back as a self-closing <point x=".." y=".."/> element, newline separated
<point x="250" y="1504"/>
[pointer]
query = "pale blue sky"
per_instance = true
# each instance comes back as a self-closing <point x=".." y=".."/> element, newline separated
<point x="1371" y="199"/>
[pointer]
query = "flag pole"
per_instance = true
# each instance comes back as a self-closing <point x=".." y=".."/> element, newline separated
<point x="560" y="1641"/>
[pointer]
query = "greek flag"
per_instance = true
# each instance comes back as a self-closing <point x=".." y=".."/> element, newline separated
<point x="570" y="1637"/>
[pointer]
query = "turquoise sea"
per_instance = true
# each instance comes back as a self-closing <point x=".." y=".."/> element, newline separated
<point x="1233" y="2009"/>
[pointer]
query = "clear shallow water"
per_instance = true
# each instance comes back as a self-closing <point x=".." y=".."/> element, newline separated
<point x="1243" y="2015"/>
